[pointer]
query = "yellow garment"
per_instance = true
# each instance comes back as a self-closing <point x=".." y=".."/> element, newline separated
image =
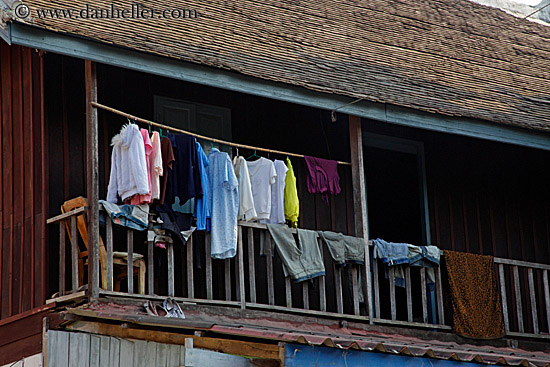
<point x="292" y="204"/>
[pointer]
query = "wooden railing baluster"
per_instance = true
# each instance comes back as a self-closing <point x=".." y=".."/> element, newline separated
<point x="322" y="290"/>
<point x="227" y="278"/>
<point x="439" y="296"/>
<point x="62" y="248"/>
<point x="338" y="289"/>
<point x="546" y="296"/>
<point x="242" y="290"/>
<point x="190" y="262"/>
<point x="355" y="289"/>
<point x="208" y="259"/>
<point x="251" y="265"/>
<point x="74" y="254"/>
<point x="109" y="250"/>
<point x="288" y="292"/>
<point x="503" y="297"/>
<point x="424" y="296"/>
<point x="269" y="261"/>
<point x="519" y="308"/>
<point x="533" y="299"/>
<point x="171" y="275"/>
<point x="130" y="264"/>
<point x="391" y="272"/>
<point x="408" y="289"/>
<point x="305" y="294"/>
<point x="376" y="288"/>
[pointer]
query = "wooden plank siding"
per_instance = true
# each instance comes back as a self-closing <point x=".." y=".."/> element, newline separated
<point x="23" y="254"/>
<point x="502" y="203"/>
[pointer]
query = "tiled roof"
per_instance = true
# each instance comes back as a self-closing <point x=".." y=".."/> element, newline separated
<point x="453" y="57"/>
<point x="320" y="332"/>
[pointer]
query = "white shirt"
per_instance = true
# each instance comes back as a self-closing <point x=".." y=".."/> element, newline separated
<point x="278" y="193"/>
<point x="262" y="177"/>
<point x="246" y="200"/>
<point x="129" y="174"/>
<point x="155" y="166"/>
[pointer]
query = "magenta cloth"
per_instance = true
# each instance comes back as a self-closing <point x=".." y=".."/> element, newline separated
<point x="322" y="177"/>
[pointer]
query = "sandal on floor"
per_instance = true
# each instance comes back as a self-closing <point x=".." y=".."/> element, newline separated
<point x="150" y="308"/>
<point x="173" y="309"/>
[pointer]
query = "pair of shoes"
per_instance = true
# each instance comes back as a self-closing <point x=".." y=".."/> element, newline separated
<point x="150" y="308"/>
<point x="172" y="308"/>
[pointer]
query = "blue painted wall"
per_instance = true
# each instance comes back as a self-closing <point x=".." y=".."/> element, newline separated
<point x="308" y="356"/>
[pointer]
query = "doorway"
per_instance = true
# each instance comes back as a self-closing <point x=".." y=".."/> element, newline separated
<point x="397" y="209"/>
<point x="396" y="190"/>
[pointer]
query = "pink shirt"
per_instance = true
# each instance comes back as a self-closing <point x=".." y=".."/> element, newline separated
<point x="145" y="199"/>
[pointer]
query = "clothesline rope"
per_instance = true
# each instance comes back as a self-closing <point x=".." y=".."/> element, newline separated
<point x="214" y="140"/>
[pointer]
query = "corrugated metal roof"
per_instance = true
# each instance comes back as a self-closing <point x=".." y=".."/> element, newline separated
<point x="321" y="333"/>
<point x="403" y="345"/>
<point x="451" y="57"/>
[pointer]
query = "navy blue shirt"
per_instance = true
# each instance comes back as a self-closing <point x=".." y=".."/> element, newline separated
<point x="185" y="179"/>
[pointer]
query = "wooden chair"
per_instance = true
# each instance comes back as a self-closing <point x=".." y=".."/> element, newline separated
<point x="120" y="259"/>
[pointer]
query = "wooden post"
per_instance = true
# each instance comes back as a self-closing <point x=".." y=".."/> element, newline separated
<point x="360" y="200"/>
<point x="92" y="179"/>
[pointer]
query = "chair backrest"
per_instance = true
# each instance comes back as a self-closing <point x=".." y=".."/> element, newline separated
<point x="82" y="226"/>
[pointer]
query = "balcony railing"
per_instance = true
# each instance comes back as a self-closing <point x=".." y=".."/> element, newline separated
<point x="252" y="280"/>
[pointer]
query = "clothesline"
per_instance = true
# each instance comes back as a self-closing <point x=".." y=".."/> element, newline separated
<point x="214" y="140"/>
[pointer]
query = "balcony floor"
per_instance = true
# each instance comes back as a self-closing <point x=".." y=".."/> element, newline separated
<point x="250" y="324"/>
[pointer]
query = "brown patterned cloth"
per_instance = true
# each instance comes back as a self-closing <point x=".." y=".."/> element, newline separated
<point x="477" y="311"/>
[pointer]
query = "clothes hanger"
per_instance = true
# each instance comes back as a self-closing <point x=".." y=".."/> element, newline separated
<point x="253" y="156"/>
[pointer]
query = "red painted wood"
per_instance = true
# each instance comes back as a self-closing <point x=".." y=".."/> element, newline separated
<point x="5" y="74"/>
<point x="64" y="111"/>
<point x="18" y="200"/>
<point x="27" y="162"/>
<point x="2" y="109"/>
<point x="37" y="218"/>
<point x="44" y="187"/>
<point x="22" y="239"/>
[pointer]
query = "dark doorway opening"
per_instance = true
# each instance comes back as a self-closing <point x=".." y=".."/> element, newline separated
<point x="393" y="196"/>
<point x="395" y="205"/>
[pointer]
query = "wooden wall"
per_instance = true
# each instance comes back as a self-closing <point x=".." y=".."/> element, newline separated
<point x="484" y="197"/>
<point x="23" y="257"/>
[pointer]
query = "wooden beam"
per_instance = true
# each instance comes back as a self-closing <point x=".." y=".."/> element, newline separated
<point x="249" y="349"/>
<point x="67" y="215"/>
<point x="360" y="199"/>
<point x="92" y="178"/>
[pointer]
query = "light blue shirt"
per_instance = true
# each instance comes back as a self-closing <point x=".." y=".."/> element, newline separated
<point x="202" y="209"/>
<point x="223" y="198"/>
